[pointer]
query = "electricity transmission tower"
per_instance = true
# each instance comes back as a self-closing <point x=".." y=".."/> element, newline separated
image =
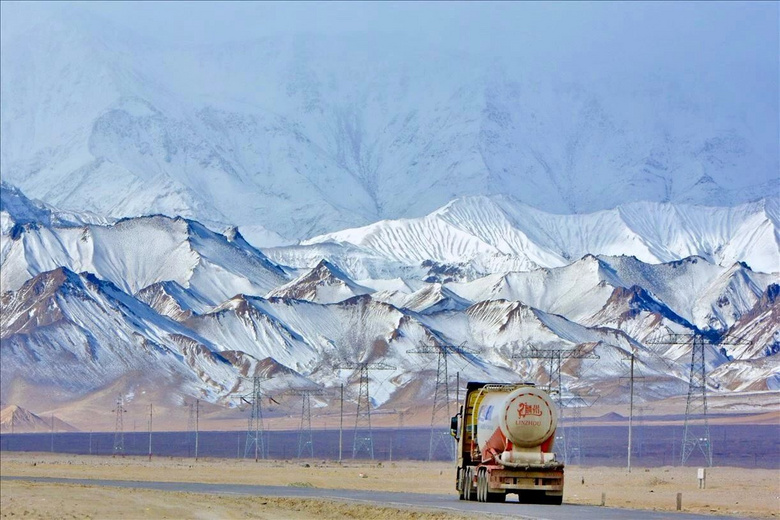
<point x="696" y="435"/>
<point x="119" y="429"/>
<point x="363" y="415"/>
<point x="193" y="426"/>
<point x="572" y="438"/>
<point x="640" y="441"/>
<point x="555" y="357"/>
<point x="397" y="433"/>
<point x="190" y="427"/>
<point x="305" y="438"/>
<point x="440" y="414"/>
<point x="255" y="431"/>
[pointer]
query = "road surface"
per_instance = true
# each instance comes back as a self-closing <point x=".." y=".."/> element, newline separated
<point x="419" y="501"/>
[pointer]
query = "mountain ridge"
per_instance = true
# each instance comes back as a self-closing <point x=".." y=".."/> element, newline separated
<point x="306" y="154"/>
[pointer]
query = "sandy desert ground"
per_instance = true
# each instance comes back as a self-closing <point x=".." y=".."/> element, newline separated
<point x="730" y="491"/>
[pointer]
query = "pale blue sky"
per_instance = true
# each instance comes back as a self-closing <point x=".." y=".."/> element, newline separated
<point x="729" y="48"/>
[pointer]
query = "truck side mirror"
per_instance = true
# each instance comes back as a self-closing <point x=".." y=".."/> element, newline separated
<point x="454" y="426"/>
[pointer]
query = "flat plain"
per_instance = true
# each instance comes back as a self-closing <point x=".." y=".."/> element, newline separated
<point x="729" y="491"/>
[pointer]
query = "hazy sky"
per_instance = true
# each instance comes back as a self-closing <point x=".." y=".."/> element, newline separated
<point x="673" y="35"/>
<point x="729" y="47"/>
<point x="687" y="28"/>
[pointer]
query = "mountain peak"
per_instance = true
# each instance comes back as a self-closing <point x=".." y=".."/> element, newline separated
<point x="16" y="419"/>
<point x="324" y="283"/>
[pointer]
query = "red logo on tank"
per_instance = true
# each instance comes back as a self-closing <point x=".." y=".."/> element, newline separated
<point x="526" y="409"/>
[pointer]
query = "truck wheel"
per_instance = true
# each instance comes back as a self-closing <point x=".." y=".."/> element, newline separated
<point x="462" y="483"/>
<point x="482" y="485"/>
<point x="468" y="493"/>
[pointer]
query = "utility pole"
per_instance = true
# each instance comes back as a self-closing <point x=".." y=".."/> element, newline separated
<point x="631" y="413"/>
<point x="151" y="411"/>
<point x="632" y="379"/>
<point x="440" y="413"/>
<point x="341" y="421"/>
<point x="555" y="358"/>
<point x="457" y="391"/>
<point x="197" y="426"/>
<point x="363" y="415"/>
<point x="52" y="433"/>
<point x="119" y="428"/>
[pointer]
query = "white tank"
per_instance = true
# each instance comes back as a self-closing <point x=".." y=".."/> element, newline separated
<point x="525" y="416"/>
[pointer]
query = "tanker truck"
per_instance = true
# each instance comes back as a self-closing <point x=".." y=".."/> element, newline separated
<point x="505" y="435"/>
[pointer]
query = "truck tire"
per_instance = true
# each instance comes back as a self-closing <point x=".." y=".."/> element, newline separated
<point x="468" y="489"/>
<point x="482" y="492"/>
<point x="462" y="483"/>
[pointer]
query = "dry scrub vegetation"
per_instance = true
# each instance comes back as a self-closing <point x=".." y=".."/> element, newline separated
<point x="730" y="491"/>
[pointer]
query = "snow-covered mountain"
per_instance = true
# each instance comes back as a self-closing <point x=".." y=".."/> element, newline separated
<point x="19" y="420"/>
<point x="706" y="295"/>
<point x="326" y="283"/>
<point x="166" y="307"/>
<point x="77" y="332"/>
<point x="172" y="300"/>
<point x="136" y="253"/>
<point x="433" y="297"/>
<point x="294" y="136"/>
<point x="496" y="235"/>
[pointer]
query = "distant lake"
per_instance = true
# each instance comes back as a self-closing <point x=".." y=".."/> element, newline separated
<point x="733" y="445"/>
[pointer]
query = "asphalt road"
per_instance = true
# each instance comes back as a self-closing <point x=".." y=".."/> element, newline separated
<point x="443" y="503"/>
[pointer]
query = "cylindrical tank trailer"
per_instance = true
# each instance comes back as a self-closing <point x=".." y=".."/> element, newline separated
<point x="506" y="434"/>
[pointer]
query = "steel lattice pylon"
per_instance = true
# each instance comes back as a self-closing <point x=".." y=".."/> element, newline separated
<point x="440" y="414"/>
<point x="441" y="409"/>
<point x="555" y="358"/>
<point x="190" y="428"/>
<point x="305" y="436"/>
<point x="640" y="438"/>
<point x="305" y="439"/>
<point x="697" y="435"/>
<point x="255" y="429"/>
<point x="363" y="442"/>
<point x="119" y="429"/>
<point x="574" y="440"/>
<point x="363" y="417"/>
